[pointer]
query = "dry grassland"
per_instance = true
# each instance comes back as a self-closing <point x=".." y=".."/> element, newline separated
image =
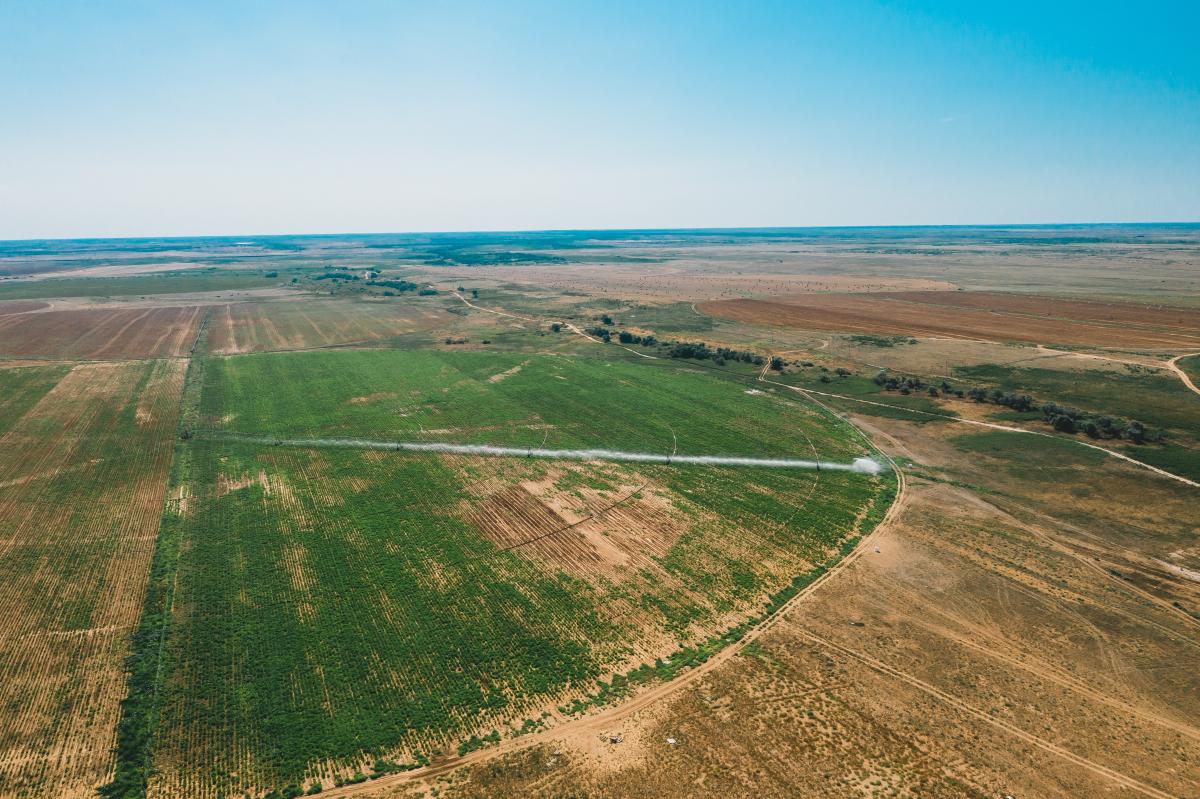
<point x="20" y="306"/>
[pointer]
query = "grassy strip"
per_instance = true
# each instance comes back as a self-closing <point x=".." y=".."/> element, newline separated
<point x="139" y="708"/>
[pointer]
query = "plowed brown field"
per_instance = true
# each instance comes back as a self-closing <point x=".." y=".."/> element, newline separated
<point x="984" y="316"/>
<point x="101" y="332"/>
<point x="1157" y="316"/>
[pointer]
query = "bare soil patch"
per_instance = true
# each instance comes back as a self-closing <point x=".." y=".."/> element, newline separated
<point x="1154" y="315"/>
<point x="601" y="534"/>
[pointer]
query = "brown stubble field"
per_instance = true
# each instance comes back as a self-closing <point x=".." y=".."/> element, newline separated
<point x="983" y="651"/>
<point x="987" y="317"/>
<point x="101" y="333"/>
<point x="159" y="328"/>
<point x="82" y="485"/>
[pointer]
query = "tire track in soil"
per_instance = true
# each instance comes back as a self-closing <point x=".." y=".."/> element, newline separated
<point x="963" y="707"/>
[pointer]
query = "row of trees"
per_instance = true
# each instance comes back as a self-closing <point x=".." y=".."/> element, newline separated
<point x="1073" y="420"/>
<point x="625" y="337"/>
<point x="398" y="285"/>
<point x="700" y="351"/>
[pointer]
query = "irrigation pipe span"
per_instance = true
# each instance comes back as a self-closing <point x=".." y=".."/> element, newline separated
<point x="860" y="465"/>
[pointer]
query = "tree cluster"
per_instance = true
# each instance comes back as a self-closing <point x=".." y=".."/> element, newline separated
<point x="700" y="351"/>
<point x="1062" y="418"/>
<point x="1073" y="420"/>
<point x="398" y="285"/>
<point x="626" y="337"/>
<point x="1022" y="403"/>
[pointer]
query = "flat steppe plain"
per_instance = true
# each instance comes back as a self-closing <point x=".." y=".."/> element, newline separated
<point x="213" y="590"/>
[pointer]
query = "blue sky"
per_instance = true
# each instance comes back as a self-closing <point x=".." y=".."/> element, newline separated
<point x="159" y="118"/>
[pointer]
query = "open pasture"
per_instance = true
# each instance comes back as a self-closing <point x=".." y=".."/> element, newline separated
<point x="82" y="482"/>
<point x="287" y="325"/>
<point x="937" y="357"/>
<point x="1033" y="320"/>
<point x="337" y="605"/>
<point x="101" y="333"/>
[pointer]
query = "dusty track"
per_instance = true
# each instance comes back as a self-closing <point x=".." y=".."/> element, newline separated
<point x="963" y="707"/>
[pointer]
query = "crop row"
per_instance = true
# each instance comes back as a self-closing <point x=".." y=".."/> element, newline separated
<point x="81" y="490"/>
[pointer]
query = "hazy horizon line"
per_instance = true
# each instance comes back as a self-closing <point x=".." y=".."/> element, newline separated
<point x="700" y="229"/>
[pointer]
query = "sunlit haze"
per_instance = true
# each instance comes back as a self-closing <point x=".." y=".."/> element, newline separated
<point x="126" y="119"/>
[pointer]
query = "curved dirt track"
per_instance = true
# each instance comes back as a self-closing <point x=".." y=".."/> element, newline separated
<point x="1173" y="365"/>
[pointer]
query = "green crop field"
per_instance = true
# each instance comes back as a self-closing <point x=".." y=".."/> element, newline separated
<point x="332" y="606"/>
<point x="21" y="387"/>
<point x="481" y="397"/>
<point x="164" y="283"/>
